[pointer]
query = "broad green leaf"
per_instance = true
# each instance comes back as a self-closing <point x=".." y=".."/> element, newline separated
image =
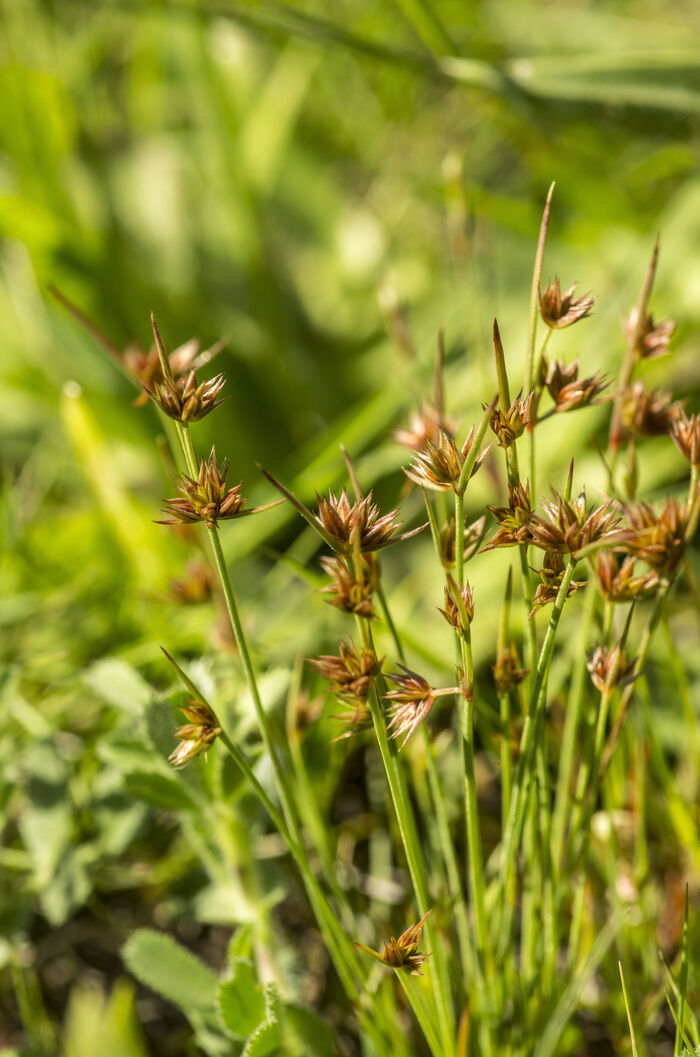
<point x="46" y="823"/>
<point x="162" y="964"/>
<point x="267" y="1039"/>
<point x="305" y="1033"/>
<point x="108" y="1026"/>
<point x="69" y="886"/>
<point x="120" y="685"/>
<point x="241" y="1000"/>
<point x="160" y="790"/>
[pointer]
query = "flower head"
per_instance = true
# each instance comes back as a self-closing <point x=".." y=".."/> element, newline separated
<point x="411" y="702"/>
<point x="509" y="425"/>
<point x="685" y="433"/>
<point x="426" y="425"/>
<point x="567" y="391"/>
<point x="195" y="736"/>
<point x="348" y="524"/>
<point x="507" y="672"/>
<point x="562" y="309"/>
<point x="617" y="580"/>
<point x="351" y="673"/>
<point x="185" y="400"/>
<point x="439" y="466"/>
<point x="459" y="604"/>
<point x="609" y="668"/>
<point x="653" y="338"/>
<point x="551" y="575"/>
<point x="649" y="414"/>
<point x="569" y="527"/>
<point x="347" y="591"/>
<point x="207" y="498"/>
<point x="514" y="520"/>
<point x="403" y="952"/>
<point x="657" y="539"/>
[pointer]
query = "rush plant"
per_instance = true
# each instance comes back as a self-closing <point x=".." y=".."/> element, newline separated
<point x="516" y="782"/>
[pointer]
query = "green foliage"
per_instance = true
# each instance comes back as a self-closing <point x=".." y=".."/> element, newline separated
<point x="169" y="969"/>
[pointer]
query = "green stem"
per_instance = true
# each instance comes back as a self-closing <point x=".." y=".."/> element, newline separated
<point x="524" y="770"/>
<point x="417" y="1004"/>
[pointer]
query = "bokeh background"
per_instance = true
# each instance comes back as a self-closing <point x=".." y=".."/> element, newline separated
<point x="322" y="187"/>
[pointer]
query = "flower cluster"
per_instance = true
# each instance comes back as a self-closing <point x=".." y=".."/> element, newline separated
<point x="402" y="953"/>
<point x="559" y="309"/>
<point x="197" y="735"/>
<point x="439" y="466"/>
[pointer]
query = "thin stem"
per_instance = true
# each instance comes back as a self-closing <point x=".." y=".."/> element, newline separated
<point x="523" y="774"/>
<point x="535" y="293"/>
<point x="415" y="1000"/>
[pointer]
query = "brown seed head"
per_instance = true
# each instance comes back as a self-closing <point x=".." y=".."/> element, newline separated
<point x="658" y="540"/>
<point x="403" y="952"/>
<point x="649" y="414"/>
<point x="439" y="466"/>
<point x="351" y="674"/>
<point x="186" y="401"/>
<point x="562" y="309"/>
<point x="568" y="527"/>
<point x="617" y="581"/>
<point x="426" y="425"/>
<point x="453" y="612"/>
<point x="347" y="592"/>
<point x="411" y="702"/>
<point x="196" y="585"/>
<point x="609" y="668"/>
<point x="474" y="535"/>
<point x="654" y="337"/>
<point x="145" y="368"/>
<point x="568" y="391"/>
<point x="507" y="672"/>
<point x="359" y="522"/>
<point x="514" y="520"/>
<point x="510" y="425"/>
<point x="550" y="576"/>
<point x="195" y="736"/>
<point x="685" y="433"/>
<point x="207" y="499"/>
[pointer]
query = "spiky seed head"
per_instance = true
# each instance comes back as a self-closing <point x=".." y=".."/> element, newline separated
<point x="507" y="672"/>
<point x="358" y="524"/>
<point x="474" y="536"/>
<point x="351" y="673"/>
<point x="188" y="402"/>
<point x="207" y="498"/>
<point x="439" y="466"/>
<point x="657" y="539"/>
<point x="685" y="433"/>
<point x="402" y="953"/>
<point x="568" y="391"/>
<point x="649" y="414"/>
<point x="196" y="736"/>
<point x="617" y="580"/>
<point x="348" y="592"/>
<point x="551" y="575"/>
<point x="509" y="425"/>
<point x="411" y="702"/>
<point x="559" y="309"/>
<point x="653" y="338"/>
<point x="609" y="668"/>
<point x="426" y="425"/>
<point x="513" y="520"/>
<point x="453" y="610"/>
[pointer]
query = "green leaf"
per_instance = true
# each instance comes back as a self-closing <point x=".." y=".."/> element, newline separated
<point x="305" y="1033"/>
<point x="266" y="1040"/>
<point x="120" y="685"/>
<point x="108" y="1026"/>
<point x="162" y="964"/>
<point x="241" y="1000"/>
<point x="69" y="886"/>
<point x="160" y="790"/>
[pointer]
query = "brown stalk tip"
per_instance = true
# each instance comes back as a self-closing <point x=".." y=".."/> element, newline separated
<point x="402" y="953"/>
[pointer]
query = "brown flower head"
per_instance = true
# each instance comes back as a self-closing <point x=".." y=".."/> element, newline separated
<point x="403" y="952"/>
<point x="685" y="433"/>
<point x="188" y="400"/>
<point x="550" y="576"/>
<point x="509" y="425"/>
<point x="562" y="309"/>
<point x="567" y="391"/>
<point x="649" y="414"/>
<point x="196" y="585"/>
<point x="195" y="736"/>
<point x="459" y="604"/>
<point x="474" y="535"/>
<point x="439" y="466"/>
<point x="654" y="337"/>
<point x="514" y="520"/>
<point x="609" y="668"/>
<point x="569" y="527"/>
<point x="207" y="499"/>
<point x="411" y="702"/>
<point x="351" y="674"/>
<point x="617" y="580"/>
<point x="426" y="425"/>
<point x="507" y="672"/>
<point x="658" y="540"/>
<point x="145" y="369"/>
<point x="347" y="591"/>
<point x="349" y="524"/>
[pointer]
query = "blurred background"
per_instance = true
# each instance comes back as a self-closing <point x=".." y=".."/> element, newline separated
<point x="322" y="187"/>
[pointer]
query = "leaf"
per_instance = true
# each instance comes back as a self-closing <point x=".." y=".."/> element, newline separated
<point x="120" y="685"/>
<point x="162" y="964"/>
<point x="108" y="1026"/>
<point x="265" y="1040"/>
<point x="305" y="1033"/>
<point x="241" y="1001"/>
<point x="46" y="824"/>
<point x="160" y="790"/>
<point x="69" y="886"/>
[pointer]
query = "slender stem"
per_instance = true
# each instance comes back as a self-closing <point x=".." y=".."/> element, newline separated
<point x="535" y="294"/>
<point x="524" y="770"/>
<point x="417" y="1004"/>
